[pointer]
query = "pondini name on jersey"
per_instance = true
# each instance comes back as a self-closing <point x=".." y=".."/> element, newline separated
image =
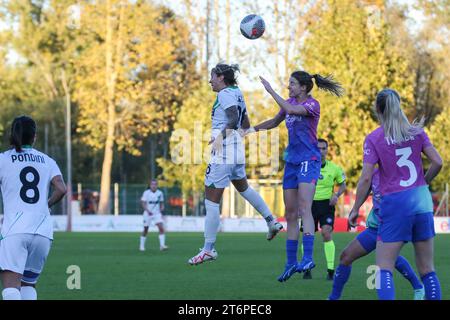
<point x="27" y="157"/>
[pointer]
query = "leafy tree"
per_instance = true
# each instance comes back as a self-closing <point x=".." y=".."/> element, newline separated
<point x="352" y="42"/>
<point x="131" y="77"/>
<point x="433" y="91"/>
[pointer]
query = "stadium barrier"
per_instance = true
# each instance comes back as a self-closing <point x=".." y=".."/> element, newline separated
<point x="133" y="223"/>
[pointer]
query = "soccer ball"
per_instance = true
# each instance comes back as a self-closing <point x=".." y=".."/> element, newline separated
<point x="252" y="26"/>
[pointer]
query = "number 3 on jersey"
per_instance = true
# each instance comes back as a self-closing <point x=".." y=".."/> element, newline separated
<point x="404" y="154"/>
<point x="29" y="185"/>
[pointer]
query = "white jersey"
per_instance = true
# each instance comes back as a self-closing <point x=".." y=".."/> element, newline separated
<point x="153" y="200"/>
<point x="25" y="180"/>
<point x="233" y="145"/>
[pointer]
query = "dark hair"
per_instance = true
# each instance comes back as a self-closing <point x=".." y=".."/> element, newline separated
<point x="324" y="83"/>
<point x="323" y="141"/>
<point x="228" y="72"/>
<point x="23" y="131"/>
<point x="382" y="98"/>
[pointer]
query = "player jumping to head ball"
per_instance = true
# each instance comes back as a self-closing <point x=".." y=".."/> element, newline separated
<point x="301" y="113"/>
<point x="229" y="114"/>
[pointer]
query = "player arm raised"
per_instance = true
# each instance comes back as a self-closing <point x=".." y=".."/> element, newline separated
<point x="270" y="124"/>
<point x="286" y="106"/>
<point x="436" y="163"/>
<point x="59" y="190"/>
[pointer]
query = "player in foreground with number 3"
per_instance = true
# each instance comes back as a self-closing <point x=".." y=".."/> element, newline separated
<point x="406" y="208"/>
<point x="27" y="231"/>
<point x="229" y="114"/>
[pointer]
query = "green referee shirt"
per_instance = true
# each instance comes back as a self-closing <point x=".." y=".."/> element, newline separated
<point x="330" y="174"/>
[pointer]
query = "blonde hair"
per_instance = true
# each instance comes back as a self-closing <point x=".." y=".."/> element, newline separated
<point x="391" y="116"/>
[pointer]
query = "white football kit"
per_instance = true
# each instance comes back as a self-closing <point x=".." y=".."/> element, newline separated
<point x="153" y="200"/>
<point x="228" y="163"/>
<point x="27" y="230"/>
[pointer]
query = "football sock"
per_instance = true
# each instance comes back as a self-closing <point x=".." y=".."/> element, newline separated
<point x="212" y="223"/>
<point x="330" y="250"/>
<point x="28" y="293"/>
<point x="291" y="251"/>
<point x="340" y="279"/>
<point x="143" y="241"/>
<point x="258" y="203"/>
<point x="386" y="290"/>
<point x="403" y="266"/>
<point x="432" y="286"/>
<point x="162" y="240"/>
<point x="11" y="294"/>
<point x="308" y="245"/>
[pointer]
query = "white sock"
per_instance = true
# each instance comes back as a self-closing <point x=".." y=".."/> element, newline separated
<point x="28" y="293"/>
<point x="11" y="294"/>
<point x="162" y="240"/>
<point x="258" y="203"/>
<point x="143" y="241"/>
<point x="212" y="223"/>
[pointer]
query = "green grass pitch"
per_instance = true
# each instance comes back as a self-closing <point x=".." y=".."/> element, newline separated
<point x="247" y="268"/>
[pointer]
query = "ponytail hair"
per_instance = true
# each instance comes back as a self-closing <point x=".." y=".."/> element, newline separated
<point x="391" y="116"/>
<point x="23" y="131"/>
<point x="329" y="84"/>
<point x="326" y="83"/>
<point x="228" y="72"/>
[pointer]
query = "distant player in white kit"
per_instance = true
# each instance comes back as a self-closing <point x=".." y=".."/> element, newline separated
<point x="227" y="164"/>
<point x="27" y="231"/>
<point x="152" y="201"/>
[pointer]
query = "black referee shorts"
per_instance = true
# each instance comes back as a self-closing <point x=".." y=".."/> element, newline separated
<point x="322" y="213"/>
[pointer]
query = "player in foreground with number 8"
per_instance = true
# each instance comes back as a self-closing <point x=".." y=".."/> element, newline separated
<point x="229" y="114"/>
<point x="27" y="231"/>
<point x="406" y="208"/>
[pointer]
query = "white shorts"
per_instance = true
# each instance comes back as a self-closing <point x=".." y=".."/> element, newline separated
<point x="220" y="175"/>
<point x="25" y="254"/>
<point x="152" y="219"/>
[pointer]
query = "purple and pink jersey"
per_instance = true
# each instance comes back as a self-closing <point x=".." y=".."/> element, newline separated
<point x="302" y="132"/>
<point x="400" y="165"/>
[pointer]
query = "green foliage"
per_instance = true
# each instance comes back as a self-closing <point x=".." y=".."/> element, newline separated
<point x="352" y="43"/>
<point x="441" y="140"/>
<point x="152" y="68"/>
<point x="189" y="141"/>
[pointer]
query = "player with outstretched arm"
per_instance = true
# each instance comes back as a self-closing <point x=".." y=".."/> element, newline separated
<point x="301" y="112"/>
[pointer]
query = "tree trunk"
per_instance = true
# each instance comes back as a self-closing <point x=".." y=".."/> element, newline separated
<point x="106" y="173"/>
<point x="217" y="30"/>
<point x="110" y="79"/>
